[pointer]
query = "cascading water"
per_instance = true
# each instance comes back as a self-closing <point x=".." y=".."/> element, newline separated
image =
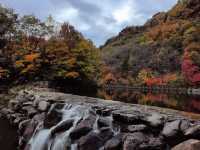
<point x="42" y="138"/>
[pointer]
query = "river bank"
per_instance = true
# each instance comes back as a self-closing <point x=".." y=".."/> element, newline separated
<point x="56" y="120"/>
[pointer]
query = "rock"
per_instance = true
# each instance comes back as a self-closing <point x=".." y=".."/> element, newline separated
<point x="63" y="126"/>
<point x="188" y="145"/>
<point x="152" y="144"/>
<point x="6" y="111"/>
<point x="30" y="110"/>
<point x="132" y="141"/>
<point x="172" y="133"/>
<point x="185" y="124"/>
<point x="14" y="105"/>
<point x="94" y="140"/>
<point x="22" y="125"/>
<point x="25" y="96"/>
<point x="155" y="120"/>
<point x="30" y="128"/>
<point x="171" y="129"/>
<point x="193" y="131"/>
<point x="43" y="106"/>
<point x="103" y="122"/>
<point x="52" y="118"/>
<point x="84" y="127"/>
<point x="114" y="143"/>
<point x="91" y="141"/>
<point x="39" y="117"/>
<point x="136" y="128"/>
<point x="126" y="117"/>
<point x="105" y="134"/>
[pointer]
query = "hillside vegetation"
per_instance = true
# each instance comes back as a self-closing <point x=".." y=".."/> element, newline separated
<point x="33" y="50"/>
<point x="164" y="51"/>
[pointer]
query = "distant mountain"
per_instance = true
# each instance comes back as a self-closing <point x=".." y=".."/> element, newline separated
<point x="165" y="50"/>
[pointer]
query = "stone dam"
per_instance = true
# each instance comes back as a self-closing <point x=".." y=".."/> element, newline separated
<point x="47" y="120"/>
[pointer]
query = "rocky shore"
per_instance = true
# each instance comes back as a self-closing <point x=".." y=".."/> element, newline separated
<point x="57" y="121"/>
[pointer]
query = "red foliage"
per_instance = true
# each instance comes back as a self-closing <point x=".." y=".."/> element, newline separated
<point x="162" y="80"/>
<point x="190" y="71"/>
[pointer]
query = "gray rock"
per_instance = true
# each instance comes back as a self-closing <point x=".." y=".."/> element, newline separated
<point x="43" y="106"/>
<point x="105" y="133"/>
<point x="155" y="120"/>
<point x="25" y="96"/>
<point x="188" y="145"/>
<point x="193" y="131"/>
<point x="136" y="128"/>
<point x="103" y="122"/>
<point x="62" y="126"/>
<point x="185" y="124"/>
<point x="6" y="111"/>
<point x="52" y="118"/>
<point x="91" y="141"/>
<point x="152" y="144"/>
<point x="27" y="104"/>
<point x="14" y="105"/>
<point x="133" y="141"/>
<point x="84" y="127"/>
<point x="30" y="110"/>
<point x="114" y="143"/>
<point x="22" y="125"/>
<point x="94" y="140"/>
<point x="125" y="117"/>
<point x="171" y="129"/>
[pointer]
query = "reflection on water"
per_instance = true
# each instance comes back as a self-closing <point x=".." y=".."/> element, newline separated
<point x="174" y="101"/>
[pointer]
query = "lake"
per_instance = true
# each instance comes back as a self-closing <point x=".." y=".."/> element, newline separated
<point x="183" y="102"/>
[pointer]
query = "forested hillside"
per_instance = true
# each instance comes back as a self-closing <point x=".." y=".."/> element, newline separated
<point x="35" y="50"/>
<point x="165" y="50"/>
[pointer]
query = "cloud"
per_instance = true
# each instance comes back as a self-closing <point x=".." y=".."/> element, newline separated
<point x="98" y="20"/>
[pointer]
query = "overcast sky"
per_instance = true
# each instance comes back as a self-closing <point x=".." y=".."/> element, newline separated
<point x="98" y="20"/>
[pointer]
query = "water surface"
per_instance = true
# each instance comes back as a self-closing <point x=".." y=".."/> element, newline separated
<point x="183" y="102"/>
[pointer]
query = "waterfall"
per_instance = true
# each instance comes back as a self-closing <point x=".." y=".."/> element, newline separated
<point x="41" y="140"/>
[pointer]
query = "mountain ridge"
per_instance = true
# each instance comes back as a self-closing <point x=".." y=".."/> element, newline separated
<point x="157" y="49"/>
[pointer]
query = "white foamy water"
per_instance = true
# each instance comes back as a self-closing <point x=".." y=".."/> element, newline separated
<point x="41" y="140"/>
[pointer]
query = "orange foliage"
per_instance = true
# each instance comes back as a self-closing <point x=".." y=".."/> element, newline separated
<point x="110" y="78"/>
<point x="31" y="57"/>
<point x="162" y="80"/>
<point x="72" y="74"/>
<point x="3" y="73"/>
<point x="167" y="29"/>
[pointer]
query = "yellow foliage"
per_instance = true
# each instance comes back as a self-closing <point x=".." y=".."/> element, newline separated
<point x="29" y="68"/>
<point x="19" y="63"/>
<point x="3" y="73"/>
<point x="72" y="74"/>
<point x="71" y="62"/>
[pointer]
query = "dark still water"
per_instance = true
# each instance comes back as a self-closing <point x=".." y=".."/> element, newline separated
<point x="181" y="102"/>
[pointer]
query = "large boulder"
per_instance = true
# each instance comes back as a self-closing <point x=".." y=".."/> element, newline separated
<point x="52" y="118"/>
<point x="171" y="129"/>
<point x="114" y="143"/>
<point x="30" y="110"/>
<point x="94" y="140"/>
<point x="91" y="141"/>
<point x="193" y="131"/>
<point x="103" y="122"/>
<point x="84" y="127"/>
<point x="62" y="126"/>
<point x="188" y="145"/>
<point x="126" y="117"/>
<point x="43" y="106"/>
<point x="155" y="119"/>
<point x="133" y="141"/>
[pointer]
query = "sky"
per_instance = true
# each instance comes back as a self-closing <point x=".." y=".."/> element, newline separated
<point x="97" y="20"/>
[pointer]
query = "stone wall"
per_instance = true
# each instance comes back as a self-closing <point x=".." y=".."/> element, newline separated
<point x="101" y="124"/>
